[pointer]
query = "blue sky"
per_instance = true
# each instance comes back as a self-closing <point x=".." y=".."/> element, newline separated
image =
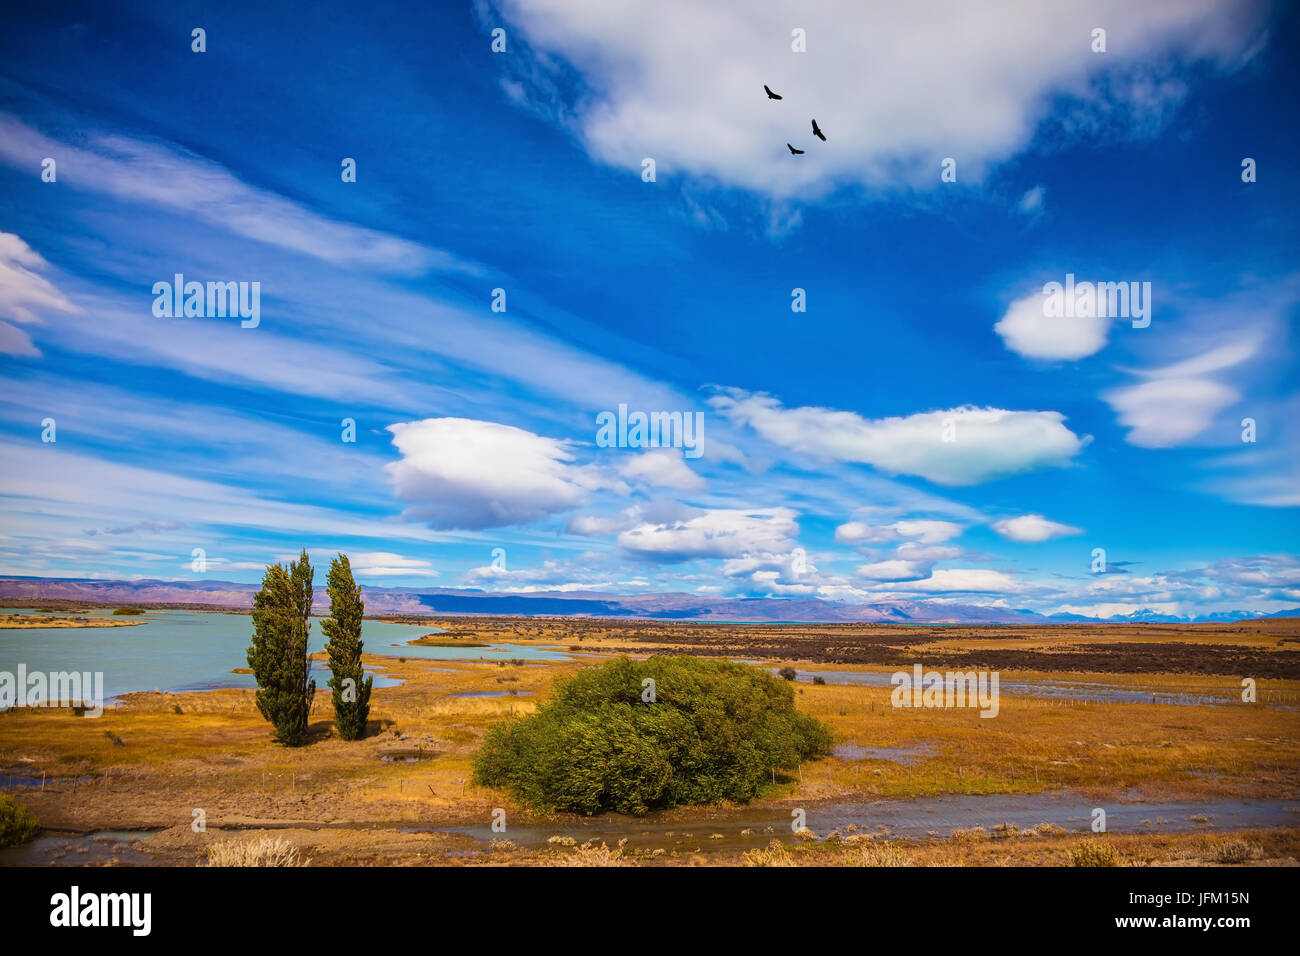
<point x="826" y="465"/>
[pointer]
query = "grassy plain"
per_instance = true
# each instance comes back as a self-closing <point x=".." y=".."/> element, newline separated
<point x="402" y="795"/>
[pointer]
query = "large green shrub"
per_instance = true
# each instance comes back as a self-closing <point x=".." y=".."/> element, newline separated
<point x="17" y="823"/>
<point x="714" y="731"/>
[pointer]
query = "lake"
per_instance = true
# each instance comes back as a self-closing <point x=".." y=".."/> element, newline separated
<point x="193" y="650"/>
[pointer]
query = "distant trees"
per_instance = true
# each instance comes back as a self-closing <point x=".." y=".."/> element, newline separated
<point x="343" y="628"/>
<point x="278" y="655"/>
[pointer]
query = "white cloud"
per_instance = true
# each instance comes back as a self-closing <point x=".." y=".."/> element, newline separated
<point x="662" y="468"/>
<point x="147" y="172"/>
<point x="387" y="564"/>
<point x="926" y="531"/>
<point x="1178" y="402"/>
<point x="683" y="82"/>
<point x="1028" y="332"/>
<point x="24" y="295"/>
<point x="463" y="473"/>
<point x="1032" y="201"/>
<point x="964" y="579"/>
<point x="1033" y="528"/>
<point x="894" y="570"/>
<point x="719" y="533"/>
<point x="988" y="443"/>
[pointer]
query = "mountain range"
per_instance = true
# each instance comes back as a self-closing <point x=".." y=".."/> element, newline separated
<point x="665" y="606"/>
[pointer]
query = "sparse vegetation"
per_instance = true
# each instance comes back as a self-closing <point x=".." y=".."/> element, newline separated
<point x="130" y="609"/>
<point x="882" y="854"/>
<point x="266" y="851"/>
<point x="1236" y="851"/>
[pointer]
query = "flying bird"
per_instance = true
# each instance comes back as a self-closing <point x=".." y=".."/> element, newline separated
<point x="770" y="94"/>
<point x="817" y="131"/>
<point x="797" y="152"/>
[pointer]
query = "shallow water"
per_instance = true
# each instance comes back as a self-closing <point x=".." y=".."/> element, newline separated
<point x="194" y="650"/>
<point x="1086" y="691"/>
<point x="82" y="849"/>
<point x="901" y="819"/>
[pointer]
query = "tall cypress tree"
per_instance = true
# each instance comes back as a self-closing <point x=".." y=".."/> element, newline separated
<point x="278" y="655"/>
<point x="343" y="628"/>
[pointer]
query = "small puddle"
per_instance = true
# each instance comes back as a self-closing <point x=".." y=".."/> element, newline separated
<point x="101" y="848"/>
<point x="408" y="756"/>
<point x="899" y="755"/>
<point x="24" y="781"/>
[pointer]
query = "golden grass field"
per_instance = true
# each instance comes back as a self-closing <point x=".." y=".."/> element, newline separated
<point x="148" y="763"/>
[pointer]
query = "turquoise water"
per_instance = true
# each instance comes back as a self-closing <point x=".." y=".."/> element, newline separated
<point x="192" y="650"/>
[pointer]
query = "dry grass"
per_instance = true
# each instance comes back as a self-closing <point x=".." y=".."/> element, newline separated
<point x="1095" y="853"/>
<point x="267" y="851"/>
<point x="591" y="855"/>
<point x="1235" y="851"/>
<point x="775" y="854"/>
<point x="884" y="854"/>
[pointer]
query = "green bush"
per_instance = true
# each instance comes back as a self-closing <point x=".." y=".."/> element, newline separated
<point x="17" y="823"/>
<point x="130" y="609"/>
<point x="715" y="731"/>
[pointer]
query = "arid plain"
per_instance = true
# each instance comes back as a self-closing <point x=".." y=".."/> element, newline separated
<point x="1146" y="723"/>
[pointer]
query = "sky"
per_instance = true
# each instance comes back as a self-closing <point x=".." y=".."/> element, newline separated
<point x="564" y="207"/>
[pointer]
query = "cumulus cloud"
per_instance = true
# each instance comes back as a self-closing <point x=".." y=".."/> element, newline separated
<point x="464" y="473"/>
<point x="959" y="446"/>
<point x="662" y="468"/>
<point x="717" y="533"/>
<point x="1027" y="331"/>
<point x="1033" y="528"/>
<point x="682" y="82"/>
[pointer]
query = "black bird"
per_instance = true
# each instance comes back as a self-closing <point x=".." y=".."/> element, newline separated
<point x="770" y="94"/>
<point x="797" y="152"/>
<point x="818" y="132"/>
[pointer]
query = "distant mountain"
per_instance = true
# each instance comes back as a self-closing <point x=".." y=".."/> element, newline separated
<point x="667" y="606"/>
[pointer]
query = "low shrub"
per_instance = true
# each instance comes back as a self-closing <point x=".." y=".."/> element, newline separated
<point x="715" y="731"/>
<point x="17" y="823"/>
<point x="1094" y="853"/>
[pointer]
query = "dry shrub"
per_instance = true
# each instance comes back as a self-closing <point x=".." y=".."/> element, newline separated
<point x="268" y="851"/>
<point x="1236" y="851"/>
<point x="775" y="855"/>
<point x="591" y="855"/>
<point x="1094" y="853"/>
<point x="882" y="855"/>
